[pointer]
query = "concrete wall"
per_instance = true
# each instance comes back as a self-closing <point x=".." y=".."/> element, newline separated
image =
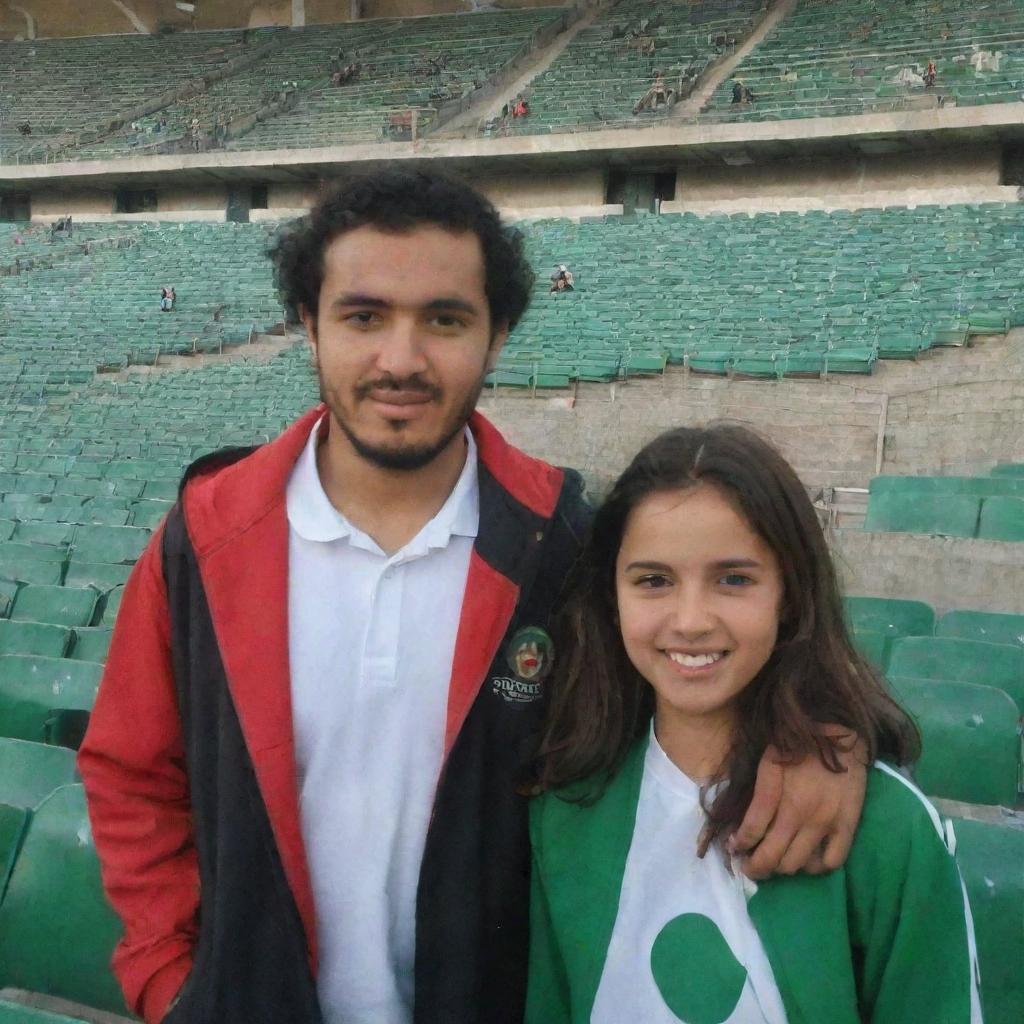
<point x="291" y="197"/>
<point x="55" y="18"/>
<point x="46" y="205"/>
<point x="176" y="200"/>
<point x="947" y="572"/>
<point x="939" y="168"/>
<point x="523" y="191"/>
<point x="827" y="429"/>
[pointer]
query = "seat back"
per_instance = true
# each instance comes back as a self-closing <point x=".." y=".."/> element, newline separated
<point x="57" y="930"/>
<point x="994" y="627"/>
<point x="13" y="822"/>
<point x="31" y="688"/>
<point x="967" y="661"/>
<point x="970" y="746"/>
<point x="1002" y="519"/>
<point x="950" y="515"/>
<point x="30" y="772"/>
<point x="991" y="860"/>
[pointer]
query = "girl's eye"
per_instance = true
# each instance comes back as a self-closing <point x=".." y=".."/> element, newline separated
<point x="736" y="579"/>
<point x="652" y="582"/>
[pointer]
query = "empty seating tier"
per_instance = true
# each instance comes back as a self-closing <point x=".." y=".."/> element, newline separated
<point x="858" y="56"/>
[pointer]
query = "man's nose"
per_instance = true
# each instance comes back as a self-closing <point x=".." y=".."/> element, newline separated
<point x="401" y="352"/>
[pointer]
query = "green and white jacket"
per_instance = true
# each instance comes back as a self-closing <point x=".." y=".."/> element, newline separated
<point x="886" y="939"/>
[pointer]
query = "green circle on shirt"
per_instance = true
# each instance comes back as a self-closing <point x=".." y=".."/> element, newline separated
<point x="696" y="972"/>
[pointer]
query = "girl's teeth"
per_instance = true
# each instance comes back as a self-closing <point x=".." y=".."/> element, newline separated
<point x="694" y="660"/>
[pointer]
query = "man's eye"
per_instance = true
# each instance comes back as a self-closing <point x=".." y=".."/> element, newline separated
<point x="447" y="320"/>
<point x="361" y="319"/>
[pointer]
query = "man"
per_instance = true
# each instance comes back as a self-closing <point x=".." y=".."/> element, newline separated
<point x="304" y="762"/>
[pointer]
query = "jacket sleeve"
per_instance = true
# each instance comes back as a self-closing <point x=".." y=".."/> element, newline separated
<point x="910" y="920"/>
<point x="132" y="764"/>
<point x="547" y="992"/>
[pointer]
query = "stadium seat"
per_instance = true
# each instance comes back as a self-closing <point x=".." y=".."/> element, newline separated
<point x="63" y="606"/>
<point x="991" y="861"/>
<point x="90" y="644"/>
<point x="890" y="616"/>
<point x="967" y="661"/>
<point x="41" y="638"/>
<point x="18" y="1013"/>
<point x="13" y="821"/>
<point x="992" y="627"/>
<point x="32" y="688"/>
<point x="101" y="575"/>
<point x="57" y="930"/>
<point x="948" y="515"/>
<point x="1001" y="519"/>
<point x="1009" y="469"/>
<point x="30" y="772"/>
<point x="113" y="544"/>
<point x="111" y="605"/>
<point x="873" y="646"/>
<point x="970" y="739"/>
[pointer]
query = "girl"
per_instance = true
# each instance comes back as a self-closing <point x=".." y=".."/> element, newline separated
<point x="705" y="627"/>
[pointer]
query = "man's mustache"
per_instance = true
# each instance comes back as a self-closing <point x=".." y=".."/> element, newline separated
<point x="398" y="384"/>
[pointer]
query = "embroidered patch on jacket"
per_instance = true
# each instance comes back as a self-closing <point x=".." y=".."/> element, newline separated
<point x="530" y="657"/>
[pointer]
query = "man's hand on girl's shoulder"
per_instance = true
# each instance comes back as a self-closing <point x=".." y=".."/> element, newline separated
<point x="803" y="816"/>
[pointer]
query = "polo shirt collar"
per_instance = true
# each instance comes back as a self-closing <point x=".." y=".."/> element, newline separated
<point x="312" y="516"/>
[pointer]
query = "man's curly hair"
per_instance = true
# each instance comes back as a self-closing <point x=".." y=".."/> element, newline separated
<point x="399" y="201"/>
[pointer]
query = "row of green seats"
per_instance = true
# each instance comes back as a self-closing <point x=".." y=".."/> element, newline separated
<point x="985" y="507"/>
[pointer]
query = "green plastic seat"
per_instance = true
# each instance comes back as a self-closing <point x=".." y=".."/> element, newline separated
<point x="90" y="644"/>
<point x="101" y="575"/>
<point x="966" y="661"/>
<point x="64" y="606"/>
<point x="873" y="646"/>
<point x="970" y="743"/>
<point x="992" y="627"/>
<point x="16" y="1013"/>
<point x="889" y="616"/>
<point x="1001" y="519"/>
<point x="57" y="931"/>
<point x="113" y="544"/>
<point x="30" y="772"/>
<point x="13" y="822"/>
<point x="991" y="861"/>
<point x="41" y="638"/>
<point x="948" y="515"/>
<point x="1012" y="469"/>
<point x="32" y="688"/>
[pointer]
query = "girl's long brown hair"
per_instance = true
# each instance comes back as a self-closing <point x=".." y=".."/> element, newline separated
<point x="600" y="704"/>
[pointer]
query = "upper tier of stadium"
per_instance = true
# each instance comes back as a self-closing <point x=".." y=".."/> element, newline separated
<point x="115" y="97"/>
<point x="770" y="295"/>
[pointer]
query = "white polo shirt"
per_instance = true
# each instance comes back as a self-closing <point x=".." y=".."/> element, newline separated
<point x="371" y="640"/>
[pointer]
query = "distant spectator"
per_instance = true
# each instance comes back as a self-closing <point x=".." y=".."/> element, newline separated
<point x="789" y="75"/>
<point x="930" y="75"/>
<point x="562" y="280"/>
<point x="18" y="240"/>
<point x="135" y="126"/>
<point x="740" y="92"/>
<point x="25" y="128"/>
<point x="167" y="298"/>
<point x="656" y="96"/>
<point x="61" y="226"/>
<point x="521" y="107"/>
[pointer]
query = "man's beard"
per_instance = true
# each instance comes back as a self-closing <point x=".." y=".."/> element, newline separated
<point x="411" y="456"/>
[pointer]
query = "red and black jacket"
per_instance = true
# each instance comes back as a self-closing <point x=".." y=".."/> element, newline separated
<point x="189" y="759"/>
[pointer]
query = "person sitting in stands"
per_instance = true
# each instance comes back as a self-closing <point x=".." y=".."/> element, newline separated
<point x="658" y="95"/>
<point x="167" y="297"/>
<point x="25" y="128"/>
<point x="521" y="107"/>
<point x="929" y="75"/>
<point x="562" y="279"/>
<point x="62" y="225"/>
<point x="740" y="92"/>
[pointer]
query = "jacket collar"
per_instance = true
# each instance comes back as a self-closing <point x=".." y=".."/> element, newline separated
<point x="238" y="527"/>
